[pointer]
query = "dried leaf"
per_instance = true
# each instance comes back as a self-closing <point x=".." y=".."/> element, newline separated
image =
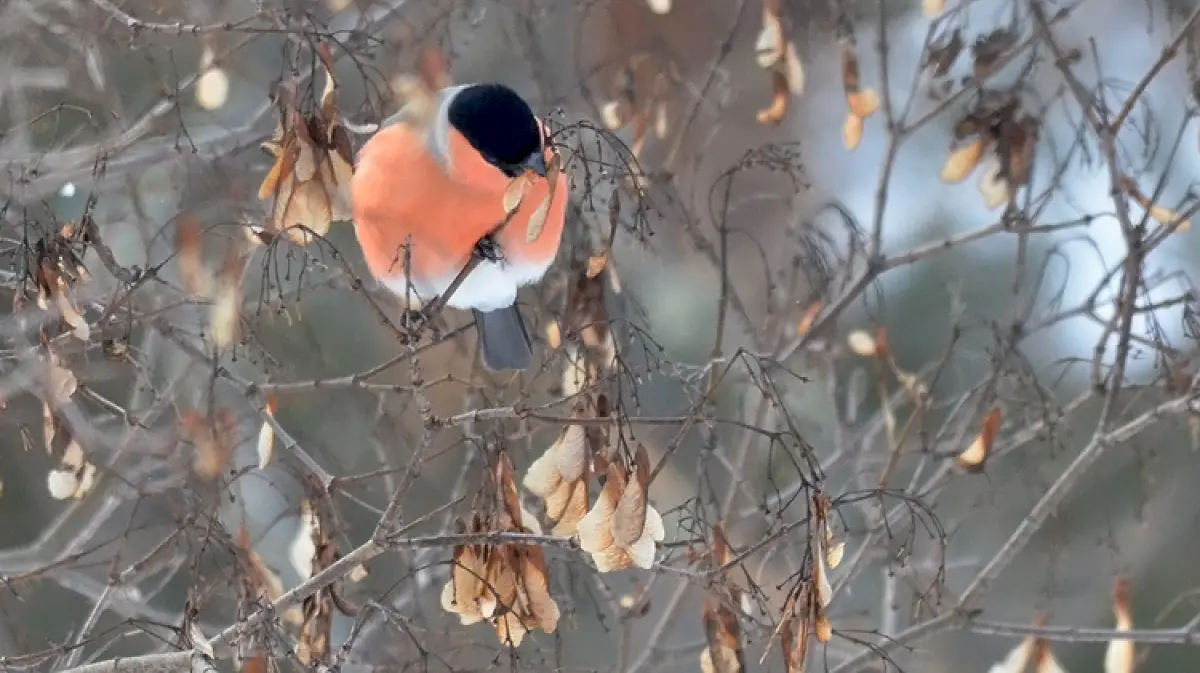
<point x="974" y="457"/>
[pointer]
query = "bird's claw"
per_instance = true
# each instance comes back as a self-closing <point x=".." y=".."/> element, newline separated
<point x="488" y="250"/>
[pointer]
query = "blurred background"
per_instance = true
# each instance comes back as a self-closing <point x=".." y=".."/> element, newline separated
<point x="787" y="314"/>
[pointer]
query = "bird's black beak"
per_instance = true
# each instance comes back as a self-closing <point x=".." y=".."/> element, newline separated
<point x="536" y="163"/>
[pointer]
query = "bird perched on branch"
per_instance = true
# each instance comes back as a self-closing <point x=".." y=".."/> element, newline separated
<point x="467" y="171"/>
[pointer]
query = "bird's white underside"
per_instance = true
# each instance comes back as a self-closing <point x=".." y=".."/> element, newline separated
<point x="489" y="286"/>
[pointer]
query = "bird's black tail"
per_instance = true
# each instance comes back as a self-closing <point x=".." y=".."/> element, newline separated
<point x="503" y="341"/>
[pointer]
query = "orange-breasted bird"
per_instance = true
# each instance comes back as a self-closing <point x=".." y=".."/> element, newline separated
<point x="436" y="184"/>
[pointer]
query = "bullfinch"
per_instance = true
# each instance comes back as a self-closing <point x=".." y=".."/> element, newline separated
<point x="428" y="191"/>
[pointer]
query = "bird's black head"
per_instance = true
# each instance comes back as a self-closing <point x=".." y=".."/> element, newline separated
<point x="500" y="125"/>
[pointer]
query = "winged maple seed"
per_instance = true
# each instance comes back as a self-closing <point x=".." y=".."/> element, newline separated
<point x="721" y="555"/>
<point x="212" y="86"/>
<point x="932" y="8"/>
<point x="722" y="630"/>
<point x="225" y="310"/>
<point x="313" y="164"/>
<point x="622" y="528"/>
<point x="778" y="55"/>
<point x="319" y="553"/>
<point x="559" y="477"/>
<point x="75" y="476"/>
<point x="723" y="633"/>
<point x="832" y="550"/>
<point x="257" y="580"/>
<point x="212" y="439"/>
<point x="861" y="102"/>
<point x="266" y="435"/>
<point x="1031" y="654"/>
<point x="823" y="593"/>
<point x="975" y="455"/>
<point x="506" y="584"/>
<point x="1161" y="214"/>
<point x="660" y="6"/>
<point x="1119" y="657"/>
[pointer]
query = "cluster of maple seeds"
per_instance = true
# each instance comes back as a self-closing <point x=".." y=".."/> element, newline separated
<point x="621" y="528"/>
<point x="805" y="612"/>
<point x="313" y="164"/>
<point x="876" y="347"/>
<point x="998" y="130"/>
<point x="57" y="272"/>
<point x="1033" y="654"/>
<point x="506" y="584"/>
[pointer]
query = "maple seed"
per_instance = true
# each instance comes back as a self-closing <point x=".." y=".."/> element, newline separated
<point x="963" y="160"/>
<point x="974" y="457"/>
<point x="660" y="6"/>
<point x="212" y="86"/>
<point x="775" y="113"/>
<point x="537" y="221"/>
<point x="723" y="653"/>
<point x="266" y="436"/>
<point x="1119" y="657"/>
<point x="862" y="343"/>
<point x="559" y="478"/>
<point x="932" y="8"/>
<point x="621" y="529"/>
<point x="514" y="193"/>
<point x="993" y="186"/>
<point x="852" y="131"/>
<point x="808" y="317"/>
